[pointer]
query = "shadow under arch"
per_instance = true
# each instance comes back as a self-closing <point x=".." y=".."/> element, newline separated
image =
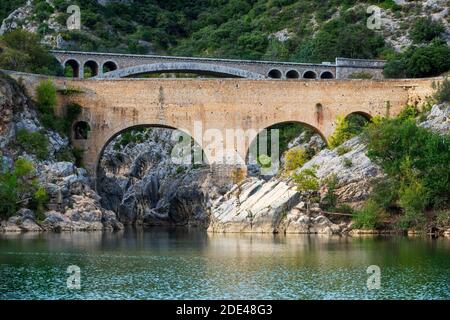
<point x="301" y="127"/>
<point x="362" y="114"/>
<point x="74" y="65"/>
<point x="195" y="144"/>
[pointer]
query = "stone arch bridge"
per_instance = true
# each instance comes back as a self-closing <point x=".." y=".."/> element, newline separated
<point x="112" y="106"/>
<point x="115" y="65"/>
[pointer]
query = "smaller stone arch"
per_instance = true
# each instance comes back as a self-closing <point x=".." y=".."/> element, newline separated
<point x="74" y="66"/>
<point x="363" y="114"/>
<point x="326" y="75"/>
<point x="90" y="69"/>
<point x="275" y="74"/>
<point x="81" y="130"/>
<point x="109" y="65"/>
<point x="292" y="74"/>
<point x="309" y="74"/>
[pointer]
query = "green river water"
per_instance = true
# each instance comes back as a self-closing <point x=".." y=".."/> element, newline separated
<point x="192" y="264"/>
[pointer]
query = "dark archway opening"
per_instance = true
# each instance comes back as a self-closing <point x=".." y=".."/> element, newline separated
<point x="71" y="69"/>
<point x="275" y="74"/>
<point x="109" y="66"/>
<point x="152" y="176"/>
<point x="81" y="130"/>
<point x="356" y="122"/>
<point x="326" y="75"/>
<point x="310" y="75"/>
<point x="90" y="69"/>
<point x="292" y="74"/>
<point x="294" y="144"/>
<point x="176" y="74"/>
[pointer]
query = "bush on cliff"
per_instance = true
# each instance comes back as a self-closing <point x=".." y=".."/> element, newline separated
<point x="426" y="29"/>
<point x="415" y="161"/>
<point x="347" y="128"/>
<point x="20" y="188"/>
<point x="442" y="93"/>
<point x="33" y="143"/>
<point x="20" y="50"/>
<point x="419" y="62"/>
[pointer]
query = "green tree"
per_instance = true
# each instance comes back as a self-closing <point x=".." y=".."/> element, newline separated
<point x="21" y="51"/>
<point x="46" y="96"/>
<point x="19" y="187"/>
<point x="295" y="158"/>
<point x="307" y="183"/>
<point x="426" y="29"/>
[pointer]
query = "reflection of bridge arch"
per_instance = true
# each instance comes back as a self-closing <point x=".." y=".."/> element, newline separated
<point x="185" y="67"/>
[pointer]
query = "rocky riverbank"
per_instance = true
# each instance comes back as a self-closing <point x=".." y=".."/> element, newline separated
<point x="73" y="205"/>
<point x="139" y="184"/>
<point x="276" y="205"/>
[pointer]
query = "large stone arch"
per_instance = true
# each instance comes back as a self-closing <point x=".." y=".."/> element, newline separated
<point x="188" y="67"/>
<point x="115" y="133"/>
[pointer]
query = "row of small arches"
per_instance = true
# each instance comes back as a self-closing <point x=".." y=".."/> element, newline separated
<point x="294" y="74"/>
<point x="90" y="68"/>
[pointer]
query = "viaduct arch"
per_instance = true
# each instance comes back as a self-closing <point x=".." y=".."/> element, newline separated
<point x="200" y="68"/>
<point x="197" y="106"/>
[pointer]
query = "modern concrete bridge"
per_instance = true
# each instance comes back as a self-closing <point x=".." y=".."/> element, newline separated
<point x="111" y="106"/>
<point x="112" y="65"/>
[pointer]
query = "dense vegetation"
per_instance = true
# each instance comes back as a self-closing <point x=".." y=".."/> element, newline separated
<point x="22" y="51"/>
<point x="295" y="30"/>
<point x="6" y="7"/>
<point x="415" y="161"/>
<point x="19" y="188"/>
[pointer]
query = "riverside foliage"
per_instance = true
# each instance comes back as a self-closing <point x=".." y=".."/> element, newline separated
<point x="415" y="161"/>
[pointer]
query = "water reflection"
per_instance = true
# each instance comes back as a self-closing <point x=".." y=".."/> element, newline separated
<point x="178" y="263"/>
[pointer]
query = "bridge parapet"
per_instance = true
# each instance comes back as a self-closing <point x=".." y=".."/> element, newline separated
<point x="116" y="65"/>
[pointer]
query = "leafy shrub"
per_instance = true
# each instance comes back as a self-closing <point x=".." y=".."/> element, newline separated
<point x="33" y="143"/>
<point x="340" y="134"/>
<point x="443" y="219"/>
<point x="369" y="217"/>
<point x="295" y="158"/>
<point x="306" y="180"/>
<point x="426" y="29"/>
<point x="329" y="201"/>
<point x="307" y="183"/>
<point x="416" y="62"/>
<point x="405" y="150"/>
<point x="442" y="93"/>
<point x="19" y="188"/>
<point x="46" y="96"/>
<point x="347" y="162"/>
<point x="21" y="51"/>
<point x="347" y="128"/>
<point x="345" y="36"/>
<point x="343" y="150"/>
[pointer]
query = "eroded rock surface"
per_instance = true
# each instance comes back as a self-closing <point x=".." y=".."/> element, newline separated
<point x="73" y="204"/>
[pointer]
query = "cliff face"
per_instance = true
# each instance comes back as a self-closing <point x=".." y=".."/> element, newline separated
<point x="73" y="205"/>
